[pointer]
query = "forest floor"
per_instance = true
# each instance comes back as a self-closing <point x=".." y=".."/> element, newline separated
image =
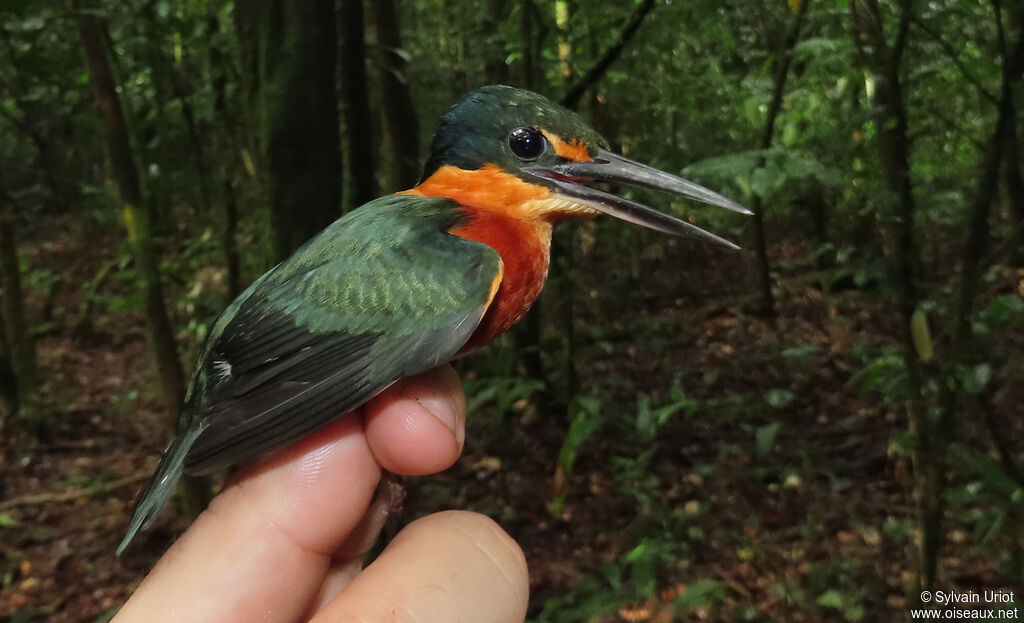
<point x="763" y="486"/>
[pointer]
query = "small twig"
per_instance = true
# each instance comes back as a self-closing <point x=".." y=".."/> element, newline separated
<point x="58" y="497"/>
<point x="575" y="92"/>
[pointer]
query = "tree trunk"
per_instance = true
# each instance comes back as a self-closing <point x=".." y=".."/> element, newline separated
<point x="9" y="400"/>
<point x="1001" y="143"/>
<point x="884" y="60"/>
<point x="1015" y="192"/>
<point x="289" y="50"/>
<point x="493" y="49"/>
<point x="18" y="338"/>
<point x="988" y="182"/>
<point x="361" y="174"/>
<point x="784" y="58"/>
<point x="169" y="84"/>
<point x="135" y="214"/>
<point x="1013" y="163"/>
<point x="228" y="151"/>
<point x="148" y="126"/>
<point x="401" y="127"/>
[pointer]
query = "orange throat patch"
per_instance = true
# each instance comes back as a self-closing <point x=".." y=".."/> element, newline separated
<point x="508" y="215"/>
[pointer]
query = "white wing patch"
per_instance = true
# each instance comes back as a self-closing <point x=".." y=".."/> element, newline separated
<point x="222" y="369"/>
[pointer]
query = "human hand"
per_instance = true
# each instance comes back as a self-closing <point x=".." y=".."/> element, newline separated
<point x="284" y="541"/>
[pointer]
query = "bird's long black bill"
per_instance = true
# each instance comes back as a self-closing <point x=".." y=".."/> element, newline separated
<point x="630" y="211"/>
<point x="609" y="167"/>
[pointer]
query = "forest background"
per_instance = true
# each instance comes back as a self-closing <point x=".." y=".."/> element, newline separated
<point x="817" y="428"/>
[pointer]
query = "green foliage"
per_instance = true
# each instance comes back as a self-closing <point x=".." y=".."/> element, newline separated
<point x="651" y="420"/>
<point x="993" y="505"/>
<point x="585" y="412"/>
<point x="764" y="439"/>
<point x="765" y="173"/>
<point x="107" y="616"/>
<point x="502" y="392"/>
<point x="834" y="585"/>
<point x="779" y="397"/>
<point x="635" y="479"/>
<point x="884" y="374"/>
<point x="701" y="594"/>
<point x="631" y="580"/>
<point x="646" y="315"/>
<point x="124" y="404"/>
<point x="922" y="335"/>
<point x="850" y="605"/>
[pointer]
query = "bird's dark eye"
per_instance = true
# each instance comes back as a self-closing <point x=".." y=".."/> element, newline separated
<point x="526" y="143"/>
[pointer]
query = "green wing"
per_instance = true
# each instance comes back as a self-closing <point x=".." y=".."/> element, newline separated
<point x="382" y="293"/>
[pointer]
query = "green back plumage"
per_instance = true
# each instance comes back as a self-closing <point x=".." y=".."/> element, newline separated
<point x="382" y="293"/>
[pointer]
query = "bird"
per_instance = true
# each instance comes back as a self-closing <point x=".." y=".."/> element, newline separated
<point x="404" y="283"/>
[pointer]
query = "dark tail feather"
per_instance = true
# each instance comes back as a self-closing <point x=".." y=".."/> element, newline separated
<point x="160" y="487"/>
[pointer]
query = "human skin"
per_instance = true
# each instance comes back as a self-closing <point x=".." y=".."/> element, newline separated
<point x="285" y="540"/>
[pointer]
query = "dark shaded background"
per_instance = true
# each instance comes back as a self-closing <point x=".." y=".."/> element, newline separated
<point x="814" y="429"/>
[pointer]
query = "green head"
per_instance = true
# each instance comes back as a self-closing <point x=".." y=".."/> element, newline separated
<point x="542" y="143"/>
<point x="481" y="128"/>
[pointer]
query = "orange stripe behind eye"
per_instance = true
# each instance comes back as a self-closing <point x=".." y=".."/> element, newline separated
<point x="573" y="150"/>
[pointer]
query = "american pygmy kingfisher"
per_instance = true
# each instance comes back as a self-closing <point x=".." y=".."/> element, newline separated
<point x="404" y="283"/>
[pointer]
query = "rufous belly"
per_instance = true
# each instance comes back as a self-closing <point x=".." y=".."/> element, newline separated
<point x="525" y="249"/>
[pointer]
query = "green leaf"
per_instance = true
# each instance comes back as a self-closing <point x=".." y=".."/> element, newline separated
<point x="993" y="475"/>
<point x="817" y="46"/>
<point x="801" y="351"/>
<point x="779" y="397"/>
<point x="921" y="335"/>
<point x="636" y="553"/>
<point x="700" y="594"/>
<point x="766" y="180"/>
<point x="764" y="439"/>
<point x="585" y="422"/>
<point x="107" y="616"/>
<point x="28" y="25"/>
<point x="977" y="378"/>
<point x="1005" y="308"/>
<point x="644" y="577"/>
<point x="613" y="575"/>
<point x="6" y="521"/>
<point x="989" y="524"/>
<point x="831" y="599"/>
<point x="724" y="168"/>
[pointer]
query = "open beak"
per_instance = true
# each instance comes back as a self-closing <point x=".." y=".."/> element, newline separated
<point x="609" y="167"/>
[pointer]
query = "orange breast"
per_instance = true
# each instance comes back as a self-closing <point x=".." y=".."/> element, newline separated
<point x="525" y="250"/>
<point x="502" y="214"/>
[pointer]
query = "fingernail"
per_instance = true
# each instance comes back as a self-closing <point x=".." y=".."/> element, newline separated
<point x="444" y="405"/>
